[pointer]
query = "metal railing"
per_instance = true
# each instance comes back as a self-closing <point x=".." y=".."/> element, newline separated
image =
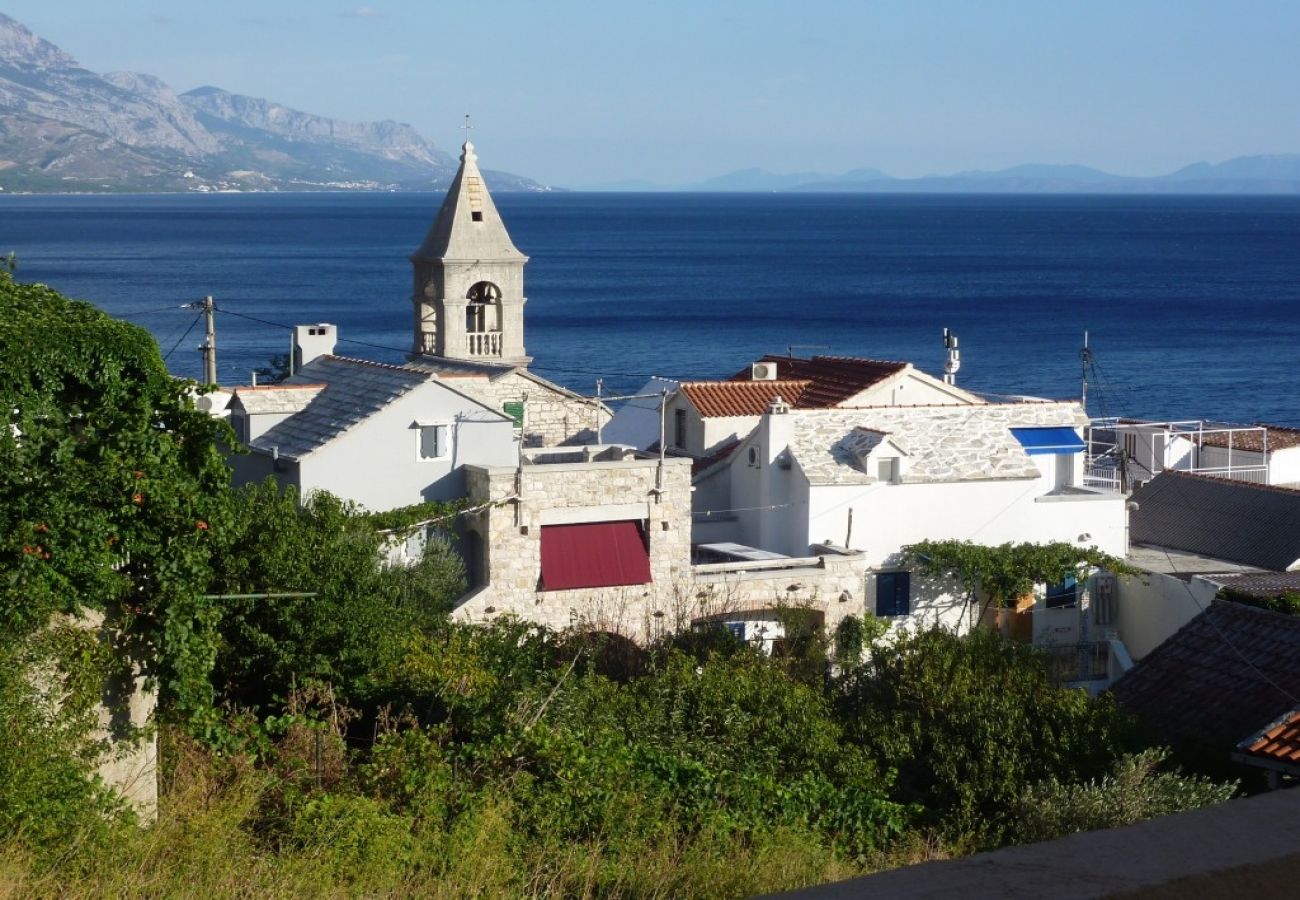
<point x="1121" y="455"/>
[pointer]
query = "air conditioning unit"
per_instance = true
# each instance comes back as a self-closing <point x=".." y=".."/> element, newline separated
<point x="763" y="371"/>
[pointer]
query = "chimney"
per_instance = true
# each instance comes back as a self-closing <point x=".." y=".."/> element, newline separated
<point x="313" y="341"/>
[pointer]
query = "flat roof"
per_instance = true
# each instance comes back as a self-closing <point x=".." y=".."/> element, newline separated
<point x="1184" y="564"/>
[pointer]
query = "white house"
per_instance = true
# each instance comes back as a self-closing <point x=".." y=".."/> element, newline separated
<point x="380" y="435"/>
<point x="877" y="479"/>
<point x="703" y="418"/>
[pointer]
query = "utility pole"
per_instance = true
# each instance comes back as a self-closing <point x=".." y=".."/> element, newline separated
<point x="1085" y="359"/>
<point x="209" y="346"/>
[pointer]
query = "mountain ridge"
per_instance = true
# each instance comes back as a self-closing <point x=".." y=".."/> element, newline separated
<point x="66" y="128"/>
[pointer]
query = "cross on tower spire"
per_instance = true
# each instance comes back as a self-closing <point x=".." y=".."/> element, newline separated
<point x="467" y="128"/>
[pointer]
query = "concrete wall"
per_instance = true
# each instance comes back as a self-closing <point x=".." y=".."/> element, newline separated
<point x="1152" y="606"/>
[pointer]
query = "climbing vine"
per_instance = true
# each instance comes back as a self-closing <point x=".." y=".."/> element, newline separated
<point x="1006" y="571"/>
<point x="112" y="486"/>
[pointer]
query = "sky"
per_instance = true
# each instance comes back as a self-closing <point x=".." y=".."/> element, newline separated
<point x="580" y="94"/>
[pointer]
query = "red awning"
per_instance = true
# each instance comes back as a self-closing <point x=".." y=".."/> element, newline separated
<point x="594" y="554"/>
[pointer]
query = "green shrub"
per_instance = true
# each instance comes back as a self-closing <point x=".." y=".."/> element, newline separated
<point x="969" y="722"/>
<point x="1136" y="789"/>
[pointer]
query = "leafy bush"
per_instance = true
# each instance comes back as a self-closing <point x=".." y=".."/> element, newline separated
<point x="320" y="546"/>
<point x="1136" y="789"/>
<point x="970" y="722"/>
<point x="48" y="793"/>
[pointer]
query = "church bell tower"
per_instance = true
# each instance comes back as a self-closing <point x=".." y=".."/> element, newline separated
<point x="469" y="278"/>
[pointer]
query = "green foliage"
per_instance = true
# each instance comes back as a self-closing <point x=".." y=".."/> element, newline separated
<point x="406" y="516"/>
<point x="111" y="485"/>
<point x="1136" y="789"/>
<point x="1009" y="570"/>
<point x="359" y="610"/>
<point x="1287" y="602"/>
<point x="49" y="685"/>
<point x="970" y="722"/>
<point x="853" y="635"/>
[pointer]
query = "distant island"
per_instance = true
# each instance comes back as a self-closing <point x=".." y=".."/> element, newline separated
<point x="66" y="129"/>
<point x="1277" y="174"/>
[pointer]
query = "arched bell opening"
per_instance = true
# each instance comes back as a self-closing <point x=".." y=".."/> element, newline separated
<point x="483" y="319"/>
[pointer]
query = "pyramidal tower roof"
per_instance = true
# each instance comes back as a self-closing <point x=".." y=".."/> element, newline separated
<point x="468" y="226"/>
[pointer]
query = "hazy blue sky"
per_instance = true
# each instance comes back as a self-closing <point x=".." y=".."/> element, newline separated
<point x="577" y="93"/>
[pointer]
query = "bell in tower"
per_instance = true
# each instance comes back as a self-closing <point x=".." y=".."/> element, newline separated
<point x="469" y="278"/>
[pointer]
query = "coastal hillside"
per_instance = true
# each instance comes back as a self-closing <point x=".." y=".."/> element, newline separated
<point x="65" y="128"/>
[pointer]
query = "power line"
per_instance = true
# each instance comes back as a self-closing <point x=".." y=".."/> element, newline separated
<point x="182" y="337"/>
<point x="404" y="350"/>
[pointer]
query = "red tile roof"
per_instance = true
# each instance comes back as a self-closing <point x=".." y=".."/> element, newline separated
<point x="1279" y="438"/>
<point x="1278" y="743"/>
<point x="1222" y="675"/>
<point x="715" y="399"/>
<point x="834" y="378"/>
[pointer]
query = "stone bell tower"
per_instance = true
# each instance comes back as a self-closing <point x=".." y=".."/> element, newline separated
<point x="469" y="278"/>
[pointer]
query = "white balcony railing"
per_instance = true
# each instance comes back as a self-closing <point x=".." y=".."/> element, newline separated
<point x="483" y="343"/>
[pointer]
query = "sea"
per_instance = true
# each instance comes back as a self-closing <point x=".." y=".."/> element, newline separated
<point x="1191" y="305"/>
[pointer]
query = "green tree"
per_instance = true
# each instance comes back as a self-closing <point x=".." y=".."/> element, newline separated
<point x="112" y="489"/>
<point x="358" y="608"/>
<point x="970" y="722"/>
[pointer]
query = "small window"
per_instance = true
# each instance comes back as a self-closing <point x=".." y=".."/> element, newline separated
<point x="476" y="215"/>
<point x="887" y="471"/>
<point x="736" y="628"/>
<point x="893" y="594"/>
<point x="679" y="428"/>
<point x="753" y="457"/>
<point x="433" y="441"/>
<point x="1065" y="593"/>
<point x="515" y="410"/>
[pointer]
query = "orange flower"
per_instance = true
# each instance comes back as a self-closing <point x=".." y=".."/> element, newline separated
<point x="201" y="525"/>
<point x="137" y="498"/>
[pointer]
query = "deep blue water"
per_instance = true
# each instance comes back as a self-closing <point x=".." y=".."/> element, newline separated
<point x="1191" y="302"/>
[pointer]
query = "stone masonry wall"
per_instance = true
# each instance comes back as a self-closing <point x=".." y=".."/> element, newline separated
<point x="551" y="417"/>
<point x="678" y="594"/>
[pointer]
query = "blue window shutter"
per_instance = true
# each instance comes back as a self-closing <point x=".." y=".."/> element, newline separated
<point x="893" y="593"/>
<point x="1065" y="593"/>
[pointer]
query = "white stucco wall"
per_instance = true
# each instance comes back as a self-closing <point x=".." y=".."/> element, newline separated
<point x="889" y="516"/>
<point x="377" y="464"/>
<point x="1152" y="606"/>
<point x="909" y="388"/>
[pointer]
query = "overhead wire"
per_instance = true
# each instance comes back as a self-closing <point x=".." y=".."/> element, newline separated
<point x="182" y="337"/>
<point x="405" y="350"/>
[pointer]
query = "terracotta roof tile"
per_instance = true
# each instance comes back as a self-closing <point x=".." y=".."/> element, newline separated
<point x="715" y="399"/>
<point x="1279" y="438"/>
<point x="835" y="379"/>
<point x="1218" y="677"/>
<point x="1279" y="742"/>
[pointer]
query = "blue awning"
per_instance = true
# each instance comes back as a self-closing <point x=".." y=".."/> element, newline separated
<point x="1041" y="441"/>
